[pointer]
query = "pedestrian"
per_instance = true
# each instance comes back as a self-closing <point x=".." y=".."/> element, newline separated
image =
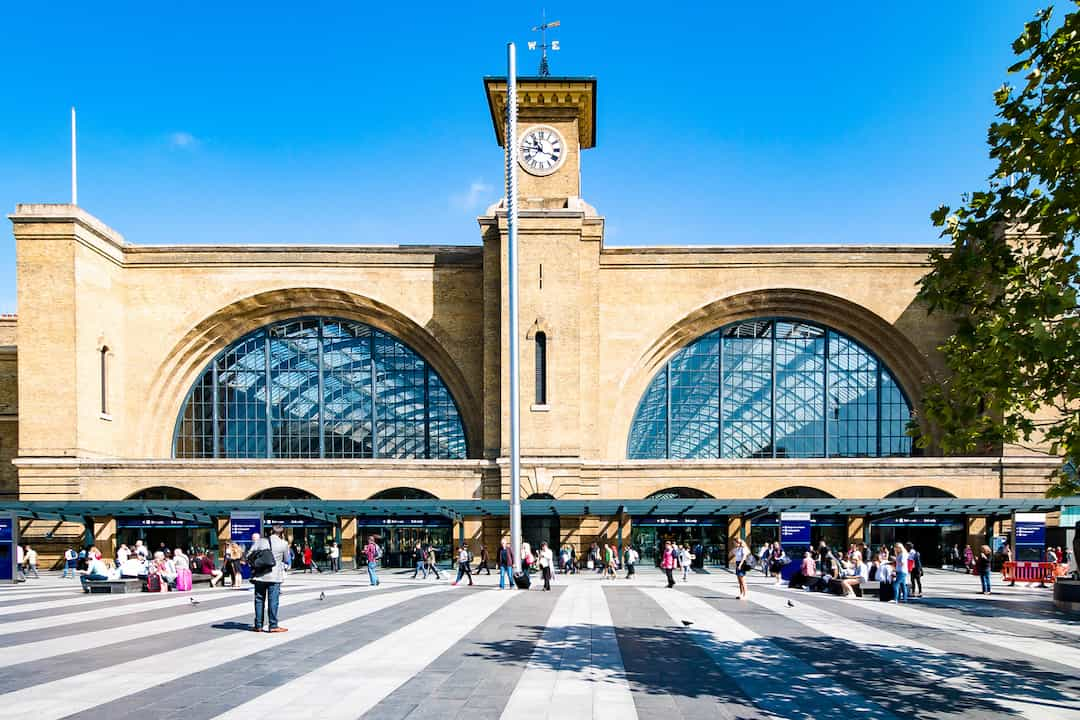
<point x="564" y="559"/>
<point x="900" y="579"/>
<point x="95" y="569"/>
<point x="777" y="560"/>
<point x="527" y="558"/>
<point x="684" y="559"/>
<point x="743" y="558"/>
<point x="419" y="561"/>
<point x="433" y="565"/>
<point x="483" y="560"/>
<point x="573" y="560"/>
<point x="70" y="558"/>
<point x="667" y="563"/>
<point x="916" y="566"/>
<point x="545" y="560"/>
<point x="335" y="558"/>
<point x="631" y="561"/>
<point x="31" y="561"/>
<point x="982" y="568"/>
<point x="373" y="553"/>
<point x="463" y="566"/>
<point x="308" y="562"/>
<point x="506" y="565"/>
<point x="122" y="555"/>
<point x="267" y="561"/>
<point x="234" y="559"/>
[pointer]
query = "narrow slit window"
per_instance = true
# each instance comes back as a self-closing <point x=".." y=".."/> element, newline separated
<point x="541" y="369"/>
<point x="104" y="381"/>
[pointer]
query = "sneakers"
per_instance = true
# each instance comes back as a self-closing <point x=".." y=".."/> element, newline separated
<point x="278" y="630"/>
<point x="255" y="628"/>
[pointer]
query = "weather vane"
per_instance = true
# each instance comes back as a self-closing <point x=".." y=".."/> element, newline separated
<point x="542" y="28"/>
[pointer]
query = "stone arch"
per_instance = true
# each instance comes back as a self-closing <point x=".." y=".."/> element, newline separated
<point x="920" y="491"/>
<point x="202" y="343"/>
<point x="800" y="492"/>
<point x="679" y="493"/>
<point x="403" y="493"/>
<point x="161" y="492"/>
<point x="908" y="366"/>
<point x="284" y="493"/>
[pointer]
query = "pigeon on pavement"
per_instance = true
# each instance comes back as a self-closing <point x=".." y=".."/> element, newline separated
<point x="322" y="596"/>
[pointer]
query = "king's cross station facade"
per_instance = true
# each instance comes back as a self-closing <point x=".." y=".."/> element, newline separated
<point x="147" y="391"/>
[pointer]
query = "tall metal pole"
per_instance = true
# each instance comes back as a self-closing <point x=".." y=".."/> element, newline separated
<point x="74" y="173"/>
<point x="512" y="261"/>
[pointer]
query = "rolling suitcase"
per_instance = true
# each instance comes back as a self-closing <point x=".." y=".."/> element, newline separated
<point x="885" y="592"/>
<point x="522" y="580"/>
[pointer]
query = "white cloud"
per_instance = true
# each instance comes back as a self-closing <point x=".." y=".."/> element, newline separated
<point x="183" y="139"/>
<point x="477" y="196"/>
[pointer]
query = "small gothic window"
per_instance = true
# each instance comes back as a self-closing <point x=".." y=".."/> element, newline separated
<point x="104" y="380"/>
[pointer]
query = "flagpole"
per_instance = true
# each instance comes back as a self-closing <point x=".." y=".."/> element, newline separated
<point x="74" y="173"/>
<point x="512" y="261"/>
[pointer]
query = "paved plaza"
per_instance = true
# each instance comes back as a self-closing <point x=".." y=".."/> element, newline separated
<point x="590" y="648"/>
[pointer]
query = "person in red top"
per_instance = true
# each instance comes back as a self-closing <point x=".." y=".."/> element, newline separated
<point x="667" y="563"/>
<point x="307" y="558"/>
<point x="206" y="567"/>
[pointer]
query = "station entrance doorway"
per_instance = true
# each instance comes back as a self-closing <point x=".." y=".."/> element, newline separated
<point x="398" y="538"/>
<point x="158" y="533"/>
<point x="707" y="538"/>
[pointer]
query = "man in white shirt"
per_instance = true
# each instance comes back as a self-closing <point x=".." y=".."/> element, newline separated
<point x="20" y="561"/>
<point x="122" y="555"/>
<point x="31" y="560"/>
<point x="133" y="567"/>
<point x="335" y="557"/>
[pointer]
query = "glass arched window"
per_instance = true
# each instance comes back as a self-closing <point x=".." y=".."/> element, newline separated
<point x="920" y="491"/>
<point x="319" y="388"/>
<point x="679" y="493"/>
<point x="799" y="492"/>
<point x="768" y="388"/>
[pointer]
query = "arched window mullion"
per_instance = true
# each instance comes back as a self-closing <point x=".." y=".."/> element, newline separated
<point x="269" y="385"/>
<point x="667" y="411"/>
<point x="825" y="398"/>
<point x="374" y="398"/>
<point x="772" y="389"/>
<point x="322" y="395"/>
<point x="215" y="414"/>
<point x="877" y="400"/>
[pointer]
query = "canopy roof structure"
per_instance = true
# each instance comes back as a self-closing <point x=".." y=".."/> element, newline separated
<point x="331" y="510"/>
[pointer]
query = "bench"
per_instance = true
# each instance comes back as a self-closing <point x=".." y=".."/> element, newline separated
<point x="197" y="578"/>
<point x="836" y="587"/>
<point x="124" y="585"/>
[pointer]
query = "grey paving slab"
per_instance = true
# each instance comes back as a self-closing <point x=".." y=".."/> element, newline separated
<point x="670" y="676"/>
<point x="272" y="668"/>
<point x="476" y="676"/>
<point x="62" y="666"/>
<point x="1016" y="673"/>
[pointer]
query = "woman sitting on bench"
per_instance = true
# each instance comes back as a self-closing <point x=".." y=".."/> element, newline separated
<point x="855" y="573"/>
<point x="95" y="569"/>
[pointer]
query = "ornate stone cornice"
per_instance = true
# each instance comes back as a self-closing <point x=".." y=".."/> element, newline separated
<point x="546" y="98"/>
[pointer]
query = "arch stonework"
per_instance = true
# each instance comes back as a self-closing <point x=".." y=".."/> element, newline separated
<point x="189" y="357"/>
<point x="908" y="365"/>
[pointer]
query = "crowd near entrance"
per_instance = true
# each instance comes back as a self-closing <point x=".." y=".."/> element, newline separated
<point x="706" y="538"/>
<point x="399" y="536"/>
<point x="165" y="533"/>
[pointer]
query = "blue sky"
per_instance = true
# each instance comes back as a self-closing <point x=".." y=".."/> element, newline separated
<point x="718" y="123"/>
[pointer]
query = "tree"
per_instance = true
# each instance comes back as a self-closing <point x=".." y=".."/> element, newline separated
<point x="1010" y="277"/>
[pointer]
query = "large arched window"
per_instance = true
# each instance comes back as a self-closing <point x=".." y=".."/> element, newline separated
<point x="769" y="388"/>
<point x="337" y="389"/>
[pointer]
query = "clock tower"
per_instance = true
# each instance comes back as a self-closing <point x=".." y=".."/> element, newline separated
<point x="556" y="121"/>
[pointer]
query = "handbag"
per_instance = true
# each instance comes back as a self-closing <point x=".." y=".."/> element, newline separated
<point x="261" y="561"/>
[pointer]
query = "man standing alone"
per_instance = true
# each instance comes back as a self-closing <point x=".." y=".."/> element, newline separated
<point x="373" y="553"/>
<point x="268" y="578"/>
<point x="506" y="566"/>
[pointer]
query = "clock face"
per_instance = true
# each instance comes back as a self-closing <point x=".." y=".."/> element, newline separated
<point x="542" y="150"/>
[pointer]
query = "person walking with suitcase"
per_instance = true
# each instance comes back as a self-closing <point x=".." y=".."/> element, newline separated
<point x="463" y="566"/>
<point x="433" y="565"/>
<point x="267" y="561"/>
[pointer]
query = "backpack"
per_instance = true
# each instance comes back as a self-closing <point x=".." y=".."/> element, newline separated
<point x="153" y="582"/>
<point x="378" y="552"/>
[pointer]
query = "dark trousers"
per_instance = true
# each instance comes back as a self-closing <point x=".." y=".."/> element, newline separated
<point x="482" y="566"/>
<point x="463" y="568"/>
<point x="670" y="577"/>
<point x="546" y="572"/>
<point x="916" y="582"/>
<point x="267" y="595"/>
